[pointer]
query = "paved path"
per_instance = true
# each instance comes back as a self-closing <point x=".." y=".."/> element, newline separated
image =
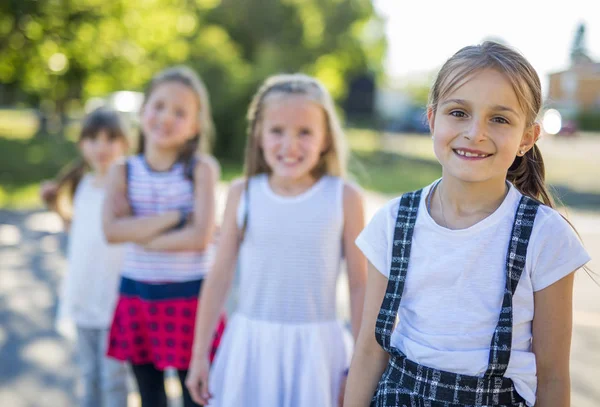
<point x="36" y="364"/>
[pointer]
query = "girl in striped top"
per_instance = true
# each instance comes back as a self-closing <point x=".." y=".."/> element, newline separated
<point x="169" y="189"/>
<point x="290" y="223"/>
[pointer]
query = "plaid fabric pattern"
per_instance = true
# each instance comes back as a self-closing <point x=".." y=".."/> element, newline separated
<point x="409" y="384"/>
<point x="515" y="264"/>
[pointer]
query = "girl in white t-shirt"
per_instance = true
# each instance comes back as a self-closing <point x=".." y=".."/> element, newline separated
<point x="91" y="285"/>
<point x="469" y="294"/>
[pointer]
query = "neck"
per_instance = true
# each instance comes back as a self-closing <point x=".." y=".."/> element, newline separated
<point x="99" y="176"/>
<point x="160" y="159"/>
<point x="291" y="186"/>
<point x="471" y="198"/>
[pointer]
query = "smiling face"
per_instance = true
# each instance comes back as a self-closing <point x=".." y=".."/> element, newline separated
<point x="479" y="128"/>
<point x="101" y="150"/>
<point x="293" y="136"/>
<point x="170" y="116"/>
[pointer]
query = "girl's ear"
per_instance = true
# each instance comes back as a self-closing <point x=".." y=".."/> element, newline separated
<point x="197" y="127"/>
<point x="530" y="136"/>
<point x="430" y="118"/>
<point x="327" y="142"/>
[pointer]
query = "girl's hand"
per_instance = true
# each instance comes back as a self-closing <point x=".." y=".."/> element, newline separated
<point x="48" y="190"/>
<point x="196" y="380"/>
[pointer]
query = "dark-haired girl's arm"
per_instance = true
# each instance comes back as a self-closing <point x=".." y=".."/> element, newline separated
<point x="369" y="359"/>
<point x="198" y="233"/>
<point x="138" y="229"/>
<point x="552" y="327"/>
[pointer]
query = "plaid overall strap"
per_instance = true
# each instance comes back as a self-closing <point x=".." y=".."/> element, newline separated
<point x="501" y="345"/>
<point x="403" y="232"/>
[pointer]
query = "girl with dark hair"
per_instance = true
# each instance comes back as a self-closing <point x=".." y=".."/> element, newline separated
<point x="90" y="287"/>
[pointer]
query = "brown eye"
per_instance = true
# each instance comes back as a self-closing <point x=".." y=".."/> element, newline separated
<point x="458" y="113"/>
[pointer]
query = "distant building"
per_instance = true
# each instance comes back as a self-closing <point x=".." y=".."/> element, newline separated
<point x="578" y="88"/>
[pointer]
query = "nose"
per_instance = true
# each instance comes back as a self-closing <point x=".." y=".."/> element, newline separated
<point x="476" y="130"/>
<point x="166" y="117"/>
<point x="102" y="146"/>
<point x="289" y="143"/>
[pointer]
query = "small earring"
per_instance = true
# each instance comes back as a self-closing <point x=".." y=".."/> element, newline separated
<point x="521" y="152"/>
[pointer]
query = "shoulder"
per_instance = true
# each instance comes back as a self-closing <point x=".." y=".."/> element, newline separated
<point x="389" y="211"/>
<point x="237" y="187"/>
<point x="549" y="221"/>
<point x="555" y="249"/>
<point x="351" y="190"/>
<point x="352" y="196"/>
<point x="207" y="165"/>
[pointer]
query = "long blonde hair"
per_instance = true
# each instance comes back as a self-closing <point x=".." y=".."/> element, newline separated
<point x="201" y="142"/>
<point x="527" y="173"/>
<point x="333" y="161"/>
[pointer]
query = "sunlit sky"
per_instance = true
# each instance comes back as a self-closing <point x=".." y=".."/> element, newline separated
<point x="422" y="34"/>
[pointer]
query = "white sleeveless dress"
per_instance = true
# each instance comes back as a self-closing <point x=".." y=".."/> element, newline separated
<point x="284" y="346"/>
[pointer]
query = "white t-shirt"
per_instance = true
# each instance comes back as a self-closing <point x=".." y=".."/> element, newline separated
<point x="91" y="285"/>
<point x="455" y="284"/>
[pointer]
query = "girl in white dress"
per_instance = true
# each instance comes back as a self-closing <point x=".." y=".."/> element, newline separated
<point x="289" y="225"/>
<point x="91" y="285"/>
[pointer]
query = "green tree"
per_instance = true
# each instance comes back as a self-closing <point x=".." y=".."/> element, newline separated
<point x="62" y="52"/>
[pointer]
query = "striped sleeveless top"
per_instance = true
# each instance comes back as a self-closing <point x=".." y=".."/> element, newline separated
<point x="291" y="255"/>
<point x="153" y="192"/>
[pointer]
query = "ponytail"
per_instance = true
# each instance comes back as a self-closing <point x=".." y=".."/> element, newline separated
<point x="67" y="182"/>
<point x="187" y="156"/>
<point x="528" y="175"/>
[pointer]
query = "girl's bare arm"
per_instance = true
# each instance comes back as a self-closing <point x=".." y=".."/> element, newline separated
<point x="354" y="223"/>
<point x="552" y="326"/>
<point x="218" y="282"/>
<point x="369" y="360"/>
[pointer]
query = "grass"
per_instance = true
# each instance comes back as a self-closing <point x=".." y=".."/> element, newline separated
<point x="18" y="124"/>
<point x="25" y="162"/>
<point x="569" y="162"/>
<point x="572" y="166"/>
<point x="389" y="164"/>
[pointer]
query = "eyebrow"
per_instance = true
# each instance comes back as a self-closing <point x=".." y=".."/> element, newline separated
<point x="463" y="102"/>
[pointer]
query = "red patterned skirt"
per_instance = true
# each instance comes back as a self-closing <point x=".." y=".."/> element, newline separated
<point x="154" y="323"/>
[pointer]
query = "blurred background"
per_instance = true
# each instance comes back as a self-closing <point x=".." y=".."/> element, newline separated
<point x="62" y="58"/>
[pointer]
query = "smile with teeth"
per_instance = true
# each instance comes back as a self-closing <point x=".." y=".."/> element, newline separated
<point x="470" y="154"/>
<point x="290" y="160"/>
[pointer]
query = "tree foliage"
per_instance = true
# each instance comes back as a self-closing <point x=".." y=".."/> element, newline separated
<point x="63" y="52"/>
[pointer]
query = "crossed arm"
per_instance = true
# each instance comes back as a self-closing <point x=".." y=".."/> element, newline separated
<point x="155" y="231"/>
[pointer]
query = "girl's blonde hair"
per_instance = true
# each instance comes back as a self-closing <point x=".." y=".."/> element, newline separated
<point x="527" y="173"/>
<point x="333" y="161"/>
<point x="68" y="179"/>
<point x="187" y="77"/>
